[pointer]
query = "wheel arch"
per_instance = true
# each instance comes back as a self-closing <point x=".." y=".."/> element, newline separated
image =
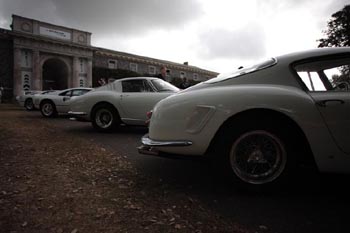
<point x="46" y="100"/>
<point x="102" y="103"/>
<point x="306" y="156"/>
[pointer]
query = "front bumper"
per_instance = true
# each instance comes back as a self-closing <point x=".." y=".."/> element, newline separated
<point x="149" y="146"/>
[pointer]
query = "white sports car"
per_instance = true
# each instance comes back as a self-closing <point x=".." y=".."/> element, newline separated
<point x="124" y="101"/>
<point x="27" y="99"/>
<point x="55" y="102"/>
<point x="262" y="121"/>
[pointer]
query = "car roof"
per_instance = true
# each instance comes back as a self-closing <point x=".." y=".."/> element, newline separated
<point x="296" y="56"/>
<point x="135" y="78"/>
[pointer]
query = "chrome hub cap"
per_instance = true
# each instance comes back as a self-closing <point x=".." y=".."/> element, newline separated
<point x="47" y="109"/>
<point x="104" y="118"/>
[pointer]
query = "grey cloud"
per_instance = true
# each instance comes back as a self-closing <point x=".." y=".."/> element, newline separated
<point x="247" y="43"/>
<point x="106" y="16"/>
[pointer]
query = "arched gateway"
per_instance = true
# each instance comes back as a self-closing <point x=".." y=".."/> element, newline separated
<point x="48" y="56"/>
<point x="54" y="75"/>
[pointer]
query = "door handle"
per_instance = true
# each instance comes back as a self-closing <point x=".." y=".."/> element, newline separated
<point x="323" y="103"/>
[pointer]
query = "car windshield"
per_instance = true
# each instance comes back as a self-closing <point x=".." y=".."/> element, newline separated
<point x="162" y="85"/>
<point x="242" y="71"/>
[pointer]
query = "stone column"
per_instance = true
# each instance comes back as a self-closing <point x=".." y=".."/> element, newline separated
<point x="17" y="76"/>
<point x="36" y="77"/>
<point x="75" y="73"/>
<point x="89" y="73"/>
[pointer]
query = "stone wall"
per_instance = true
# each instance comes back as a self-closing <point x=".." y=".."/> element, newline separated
<point x="6" y="65"/>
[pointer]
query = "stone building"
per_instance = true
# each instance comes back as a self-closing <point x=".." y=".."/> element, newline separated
<point x="36" y="55"/>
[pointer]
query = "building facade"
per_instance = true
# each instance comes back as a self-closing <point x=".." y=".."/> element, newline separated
<point x="36" y="55"/>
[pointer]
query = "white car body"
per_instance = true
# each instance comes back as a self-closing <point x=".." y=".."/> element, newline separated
<point x="27" y="99"/>
<point x="277" y="94"/>
<point x="124" y="101"/>
<point x="56" y="102"/>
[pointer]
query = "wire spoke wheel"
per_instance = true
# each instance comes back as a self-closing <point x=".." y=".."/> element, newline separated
<point x="258" y="157"/>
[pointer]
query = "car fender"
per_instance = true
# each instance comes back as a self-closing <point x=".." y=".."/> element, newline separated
<point x="88" y="101"/>
<point x="197" y="115"/>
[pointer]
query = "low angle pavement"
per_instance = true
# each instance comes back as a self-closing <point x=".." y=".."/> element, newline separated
<point x="58" y="175"/>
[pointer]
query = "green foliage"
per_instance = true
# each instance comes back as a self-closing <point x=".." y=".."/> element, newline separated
<point x="343" y="77"/>
<point x="105" y="73"/>
<point x="338" y="30"/>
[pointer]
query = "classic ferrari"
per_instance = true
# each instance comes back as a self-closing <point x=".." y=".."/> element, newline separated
<point x="54" y="102"/>
<point x="124" y="101"/>
<point x="262" y="121"/>
<point x="27" y="99"/>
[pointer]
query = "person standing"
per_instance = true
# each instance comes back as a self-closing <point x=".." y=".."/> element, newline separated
<point x="102" y="81"/>
<point x="162" y="74"/>
<point x="185" y="84"/>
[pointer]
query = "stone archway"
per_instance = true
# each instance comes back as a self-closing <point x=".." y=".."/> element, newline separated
<point x="54" y="75"/>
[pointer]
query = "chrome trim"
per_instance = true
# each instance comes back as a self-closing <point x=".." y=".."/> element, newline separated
<point x="150" y="142"/>
<point x="147" y="150"/>
<point x="77" y="113"/>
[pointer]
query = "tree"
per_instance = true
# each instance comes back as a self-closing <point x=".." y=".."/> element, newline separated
<point x="338" y="30"/>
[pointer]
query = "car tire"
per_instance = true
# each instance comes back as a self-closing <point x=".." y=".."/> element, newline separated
<point x="48" y="109"/>
<point x="28" y="104"/>
<point x="105" y="117"/>
<point x="257" y="155"/>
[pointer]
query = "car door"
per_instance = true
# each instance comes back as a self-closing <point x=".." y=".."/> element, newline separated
<point x="137" y="98"/>
<point x="328" y="84"/>
<point x="62" y="101"/>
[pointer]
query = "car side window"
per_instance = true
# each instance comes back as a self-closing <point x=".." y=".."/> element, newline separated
<point x="325" y="74"/>
<point x="67" y="93"/>
<point x="136" y="86"/>
<point x="79" y="92"/>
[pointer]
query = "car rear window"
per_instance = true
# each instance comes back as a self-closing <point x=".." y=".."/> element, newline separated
<point x="242" y="71"/>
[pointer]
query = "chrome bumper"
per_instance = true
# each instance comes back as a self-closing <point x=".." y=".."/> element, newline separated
<point x="77" y="113"/>
<point x="149" y="145"/>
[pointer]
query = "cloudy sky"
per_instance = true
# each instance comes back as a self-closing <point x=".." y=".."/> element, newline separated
<point x="218" y="35"/>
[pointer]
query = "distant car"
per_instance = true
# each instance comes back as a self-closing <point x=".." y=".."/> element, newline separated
<point x="55" y="102"/>
<point x="27" y="99"/>
<point x="124" y="101"/>
<point x="262" y="121"/>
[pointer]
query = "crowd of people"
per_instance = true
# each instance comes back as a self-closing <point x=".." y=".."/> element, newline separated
<point x="163" y="74"/>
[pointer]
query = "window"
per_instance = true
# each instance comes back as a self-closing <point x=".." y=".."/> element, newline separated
<point x="151" y="69"/>
<point x="325" y="75"/>
<point x="133" y="67"/>
<point x="82" y="65"/>
<point x="312" y="81"/>
<point x="66" y="93"/>
<point x="168" y="73"/>
<point x="137" y="85"/>
<point x="182" y="74"/>
<point x="26" y="59"/>
<point x="195" y="77"/>
<point x="79" y="92"/>
<point x="112" y="64"/>
<point x="162" y="85"/>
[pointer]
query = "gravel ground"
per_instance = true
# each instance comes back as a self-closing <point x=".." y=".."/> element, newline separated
<point x="51" y="181"/>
